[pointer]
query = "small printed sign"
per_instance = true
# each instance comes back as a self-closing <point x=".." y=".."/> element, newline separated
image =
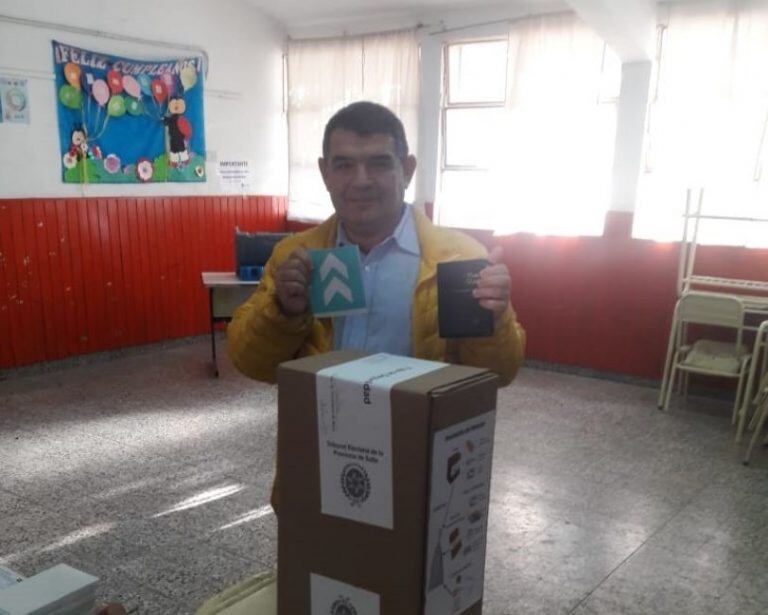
<point x="14" y="100"/>
<point x="336" y="287"/>
<point x="236" y="176"/>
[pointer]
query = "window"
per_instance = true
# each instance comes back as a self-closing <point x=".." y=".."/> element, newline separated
<point x="325" y="75"/>
<point x="475" y="86"/>
<point x="528" y="124"/>
<point x="707" y="123"/>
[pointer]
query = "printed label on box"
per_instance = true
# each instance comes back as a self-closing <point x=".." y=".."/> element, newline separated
<point x="331" y="597"/>
<point x="460" y="486"/>
<point x="354" y="428"/>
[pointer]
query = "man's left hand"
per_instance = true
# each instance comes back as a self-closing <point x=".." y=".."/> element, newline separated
<point x="494" y="285"/>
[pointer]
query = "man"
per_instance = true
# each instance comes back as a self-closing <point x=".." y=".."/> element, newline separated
<point x="366" y="169"/>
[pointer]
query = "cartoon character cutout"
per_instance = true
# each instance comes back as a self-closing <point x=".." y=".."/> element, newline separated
<point x="178" y="132"/>
<point x="78" y="143"/>
<point x="79" y="148"/>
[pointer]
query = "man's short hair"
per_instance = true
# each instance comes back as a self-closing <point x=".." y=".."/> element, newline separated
<point x="367" y="118"/>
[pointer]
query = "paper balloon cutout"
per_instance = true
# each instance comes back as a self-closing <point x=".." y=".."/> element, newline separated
<point x="145" y="82"/>
<point x="134" y="106"/>
<point x="188" y="77"/>
<point x="131" y="86"/>
<point x="115" y="81"/>
<point x="116" y="106"/>
<point x="185" y="127"/>
<point x="159" y="90"/>
<point x="170" y="83"/>
<point x="72" y="74"/>
<point x="100" y="92"/>
<point x="70" y="97"/>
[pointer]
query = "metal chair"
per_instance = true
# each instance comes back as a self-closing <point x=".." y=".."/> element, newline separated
<point x="706" y="357"/>
<point x="761" y="415"/>
<point x="759" y="365"/>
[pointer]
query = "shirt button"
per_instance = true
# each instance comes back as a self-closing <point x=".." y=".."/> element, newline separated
<point x="367" y="267"/>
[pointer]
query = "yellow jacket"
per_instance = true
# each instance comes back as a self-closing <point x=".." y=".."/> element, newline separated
<point x="260" y="336"/>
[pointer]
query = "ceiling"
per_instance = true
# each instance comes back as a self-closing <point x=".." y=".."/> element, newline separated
<point x="300" y="15"/>
<point x="628" y="26"/>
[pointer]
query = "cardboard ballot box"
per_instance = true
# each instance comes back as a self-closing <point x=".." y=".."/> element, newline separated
<point x="384" y="465"/>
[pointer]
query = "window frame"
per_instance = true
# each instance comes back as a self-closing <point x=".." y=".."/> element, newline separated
<point x="446" y="105"/>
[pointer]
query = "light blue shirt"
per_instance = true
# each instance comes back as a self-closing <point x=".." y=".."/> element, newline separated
<point x="389" y="270"/>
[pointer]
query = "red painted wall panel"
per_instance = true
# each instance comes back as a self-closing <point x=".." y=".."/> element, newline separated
<point x="601" y="303"/>
<point x="606" y="302"/>
<point x="85" y="275"/>
<point x="8" y="286"/>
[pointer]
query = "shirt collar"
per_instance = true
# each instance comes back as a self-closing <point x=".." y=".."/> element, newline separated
<point x="404" y="234"/>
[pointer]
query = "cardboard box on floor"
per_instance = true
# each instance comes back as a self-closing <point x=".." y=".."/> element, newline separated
<point x="384" y="468"/>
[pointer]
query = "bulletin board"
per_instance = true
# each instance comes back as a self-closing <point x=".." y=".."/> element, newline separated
<point x="129" y="121"/>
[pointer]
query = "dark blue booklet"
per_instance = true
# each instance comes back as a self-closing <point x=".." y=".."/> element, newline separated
<point x="459" y="312"/>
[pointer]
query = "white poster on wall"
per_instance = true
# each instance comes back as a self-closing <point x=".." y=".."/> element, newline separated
<point x="235" y="175"/>
<point x="14" y="100"/>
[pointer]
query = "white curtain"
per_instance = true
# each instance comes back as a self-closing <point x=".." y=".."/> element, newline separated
<point x="552" y="146"/>
<point x="324" y="76"/>
<point x="707" y="123"/>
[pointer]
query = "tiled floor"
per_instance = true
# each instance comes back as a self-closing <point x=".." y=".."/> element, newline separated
<point x="150" y="474"/>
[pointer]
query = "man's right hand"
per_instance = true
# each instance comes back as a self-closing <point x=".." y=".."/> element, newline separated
<point x="292" y="283"/>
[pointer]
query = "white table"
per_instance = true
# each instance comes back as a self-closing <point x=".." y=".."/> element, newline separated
<point x="225" y="293"/>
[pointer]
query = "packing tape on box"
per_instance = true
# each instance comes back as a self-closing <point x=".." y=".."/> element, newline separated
<point x="354" y="422"/>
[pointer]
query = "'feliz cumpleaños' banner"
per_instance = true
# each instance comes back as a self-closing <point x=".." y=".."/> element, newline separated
<point x="129" y="121"/>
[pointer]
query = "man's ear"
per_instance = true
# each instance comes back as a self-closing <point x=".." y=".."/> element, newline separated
<point x="409" y="168"/>
<point x="322" y="167"/>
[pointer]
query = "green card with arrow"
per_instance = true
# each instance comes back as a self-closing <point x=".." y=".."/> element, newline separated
<point x="336" y="287"/>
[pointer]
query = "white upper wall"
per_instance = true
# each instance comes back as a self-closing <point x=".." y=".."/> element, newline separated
<point x="359" y="17"/>
<point x="243" y="100"/>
